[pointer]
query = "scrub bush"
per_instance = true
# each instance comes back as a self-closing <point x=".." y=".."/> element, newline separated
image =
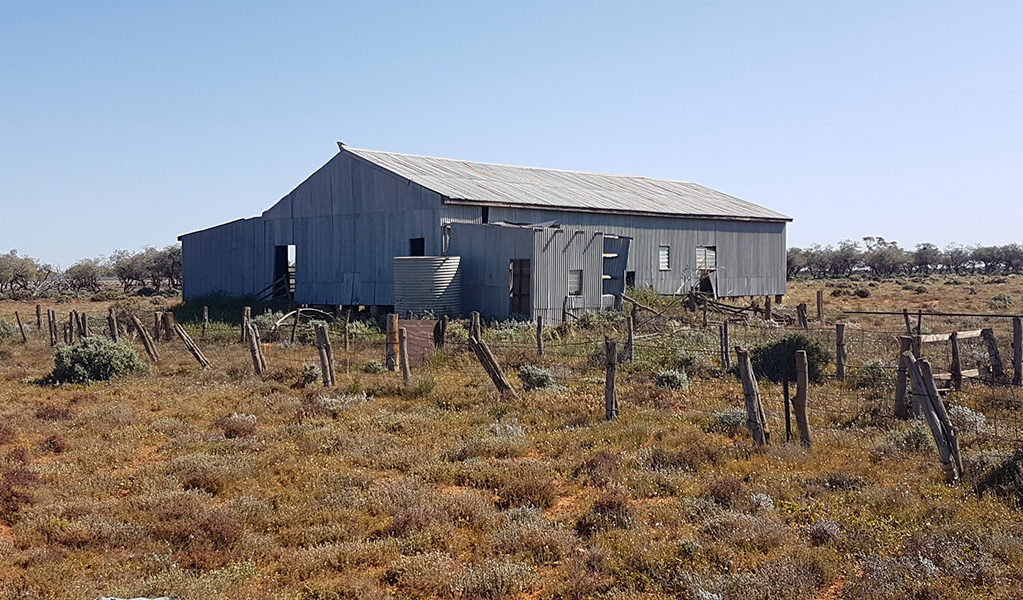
<point x="94" y="359"/>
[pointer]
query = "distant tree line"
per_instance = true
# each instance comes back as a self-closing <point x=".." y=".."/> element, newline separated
<point x="880" y="257"/>
<point x="148" y="269"/>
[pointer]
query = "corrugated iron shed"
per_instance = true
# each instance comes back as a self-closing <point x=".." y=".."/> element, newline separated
<point x="530" y="187"/>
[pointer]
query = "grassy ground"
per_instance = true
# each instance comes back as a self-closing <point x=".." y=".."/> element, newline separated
<point x="195" y="483"/>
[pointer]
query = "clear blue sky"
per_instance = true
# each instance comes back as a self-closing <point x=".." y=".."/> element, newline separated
<point x="124" y="124"/>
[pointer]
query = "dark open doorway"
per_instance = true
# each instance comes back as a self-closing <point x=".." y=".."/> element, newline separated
<point x="518" y="297"/>
<point x="417" y="247"/>
<point x="284" y="273"/>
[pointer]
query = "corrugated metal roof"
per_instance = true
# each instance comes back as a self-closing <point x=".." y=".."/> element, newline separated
<point x="485" y="183"/>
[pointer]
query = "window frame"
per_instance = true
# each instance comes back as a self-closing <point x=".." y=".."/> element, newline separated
<point x="664" y="252"/>
<point x="572" y="274"/>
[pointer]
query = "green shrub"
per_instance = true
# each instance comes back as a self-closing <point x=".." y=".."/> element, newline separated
<point x="534" y="378"/>
<point x="419" y="387"/>
<point x="777" y="360"/>
<point x="730" y="420"/>
<point x="1000" y="302"/>
<point x="310" y="373"/>
<point x="94" y="359"/>
<point x="672" y="379"/>
<point x="374" y="366"/>
<point x="1005" y="480"/>
<point x="875" y="374"/>
<point x="7" y="330"/>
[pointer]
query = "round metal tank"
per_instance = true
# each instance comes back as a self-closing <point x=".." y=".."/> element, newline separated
<point x="428" y="284"/>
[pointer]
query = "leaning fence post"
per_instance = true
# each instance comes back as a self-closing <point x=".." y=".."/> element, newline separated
<point x="799" y="402"/>
<point x="997" y="370"/>
<point x="610" y="394"/>
<point x="246" y="317"/>
<point x="257" y="361"/>
<point x="329" y="348"/>
<point x="920" y="389"/>
<point x="751" y="392"/>
<point x="820" y="306"/>
<point x="21" y="328"/>
<point x="147" y="341"/>
<point x="840" y="356"/>
<point x="321" y="348"/>
<point x="938" y="407"/>
<point x="392" y="342"/>
<point x="1017" y="351"/>
<point x="191" y="345"/>
<point x="902" y="378"/>
<point x="112" y="324"/>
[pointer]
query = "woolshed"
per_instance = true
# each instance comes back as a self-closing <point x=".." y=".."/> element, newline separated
<point x="389" y="231"/>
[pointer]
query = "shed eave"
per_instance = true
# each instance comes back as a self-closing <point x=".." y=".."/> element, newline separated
<point x="607" y="211"/>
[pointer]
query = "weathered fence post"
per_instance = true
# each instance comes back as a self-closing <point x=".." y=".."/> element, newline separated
<point x="157" y="326"/>
<point x="72" y="323"/>
<point x="205" y="320"/>
<point x="257" y="360"/>
<point x="799" y="402"/>
<point x="147" y="341"/>
<point x="406" y="372"/>
<point x="755" y="419"/>
<point x="294" y="324"/>
<point x="704" y="311"/>
<point x="440" y="332"/>
<point x="956" y="368"/>
<point x="938" y="408"/>
<point x="329" y="347"/>
<point x="610" y="394"/>
<point x="112" y="324"/>
<point x="168" y="326"/>
<point x="726" y="352"/>
<point x="191" y="345"/>
<point x="51" y="323"/>
<point x="943" y="438"/>
<point x="905" y="317"/>
<point x="840" y="355"/>
<point x="997" y="370"/>
<point x="788" y="411"/>
<point x="490" y="365"/>
<point x="804" y="322"/>
<point x="321" y="348"/>
<point x="21" y="328"/>
<point x="820" y="306"/>
<point x="630" y="343"/>
<point x="902" y="378"/>
<point x="539" y="336"/>
<point x="246" y="317"/>
<point x="1017" y="351"/>
<point x="768" y="314"/>
<point x="476" y="326"/>
<point x="392" y="342"/>
<point x="348" y="321"/>
<point x="39" y="317"/>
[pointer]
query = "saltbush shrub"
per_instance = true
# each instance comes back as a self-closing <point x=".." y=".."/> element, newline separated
<point x="535" y="378"/>
<point x="94" y="359"/>
<point x="672" y="379"/>
<point x="777" y="360"/>
<point x="875" y="374"/>
<point x="374" y="366"/>
<point x="1000" y="302"/>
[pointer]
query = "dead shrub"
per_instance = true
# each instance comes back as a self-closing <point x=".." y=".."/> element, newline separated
<point x="687" y="459"/>
<point x="187" y="521"/>
<point x="745" y="531"/>
<point x="209" y="473"/>
<point x="823" y="532"/>
<point x="11" y="501"/>
<point x="727" y="491"/>
<point x="50" y="412"/>
<point x="598" y="469"/>
<point x="609" y="511"/>
<point x="529" y="491"/>
<point x="236" y="425"/>
<point x="54" y="444"/>
<point x="7" y="434"/>
<point x="538" y="543"/>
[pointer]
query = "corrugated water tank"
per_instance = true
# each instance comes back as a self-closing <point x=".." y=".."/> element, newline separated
<point x="428" y="284"/>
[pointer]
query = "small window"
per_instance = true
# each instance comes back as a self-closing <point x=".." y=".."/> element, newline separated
<point x="706" y="258"/>
<point x="485" y="216"/>
<point x="417" y="247"/>
<point x="664" y="258"/>
<point x="630" y="279"/>
<point x="575" y="282"/>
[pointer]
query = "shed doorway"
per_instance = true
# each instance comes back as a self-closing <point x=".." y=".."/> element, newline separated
<point x="284" y="273"/>
<point x="519" y="284"/>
